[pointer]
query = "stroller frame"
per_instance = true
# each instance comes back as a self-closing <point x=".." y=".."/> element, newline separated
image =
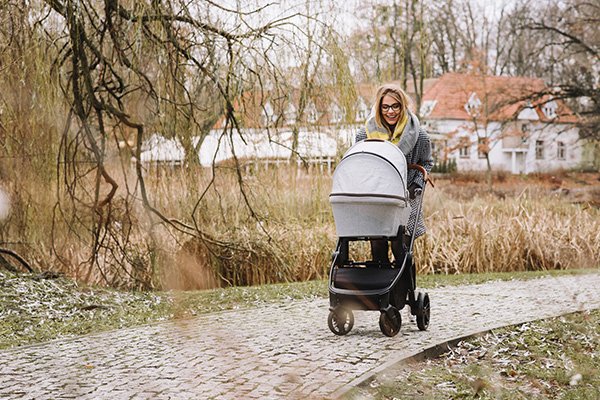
<point x="374" y="285"/>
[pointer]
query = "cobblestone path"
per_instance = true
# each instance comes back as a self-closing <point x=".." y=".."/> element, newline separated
<point x="284" y="351"/>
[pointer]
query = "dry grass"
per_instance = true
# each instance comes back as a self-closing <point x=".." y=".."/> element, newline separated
<point x="284" y="234"/>
<point x="546" y="359"/>
<point x="288" y="233"/>
<point x="293" y="235"/>
<point x="522" y="233"/>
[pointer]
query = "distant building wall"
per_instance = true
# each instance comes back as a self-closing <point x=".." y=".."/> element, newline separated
<point x="544" y="147"/>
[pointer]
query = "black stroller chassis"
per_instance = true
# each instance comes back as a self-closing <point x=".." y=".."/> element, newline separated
<point x="377" y="285"/>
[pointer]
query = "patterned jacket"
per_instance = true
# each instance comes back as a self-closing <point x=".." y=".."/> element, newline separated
<point x="421" y="155"/>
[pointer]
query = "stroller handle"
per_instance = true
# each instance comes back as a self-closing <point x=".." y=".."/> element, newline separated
<point x="423" y="171"/>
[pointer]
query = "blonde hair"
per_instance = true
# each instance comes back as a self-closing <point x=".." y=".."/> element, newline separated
<point x="398" y="94"/>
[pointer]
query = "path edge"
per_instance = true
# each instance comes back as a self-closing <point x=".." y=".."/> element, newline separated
<point x="431" y="352"/>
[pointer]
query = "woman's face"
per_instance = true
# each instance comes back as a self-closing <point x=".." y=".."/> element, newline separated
<point x="390" y="109"/>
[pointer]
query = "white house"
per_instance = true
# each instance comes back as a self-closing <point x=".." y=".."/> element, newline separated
<point x="508" y="120"/>
<point x="315" y="147"/>
<point x="159" y="149"/>
<point x="473" y="119"/>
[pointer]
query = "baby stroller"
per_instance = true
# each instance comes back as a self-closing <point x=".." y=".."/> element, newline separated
<point x="370" y="200"/>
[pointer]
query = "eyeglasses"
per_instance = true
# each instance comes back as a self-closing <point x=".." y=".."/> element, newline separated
<point x="394" y="107"/>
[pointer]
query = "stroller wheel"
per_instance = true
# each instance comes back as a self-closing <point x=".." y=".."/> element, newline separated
<point x="423" y="311"/>
<point x="340" y="321"/>
<point x="390" y="325"/>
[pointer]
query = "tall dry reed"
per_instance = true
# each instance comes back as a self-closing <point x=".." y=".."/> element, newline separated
<point x="287" y="233"/>
<point x="282" y="231"/>
<point x="293" y="234"/>
<point x="520" y="233"/>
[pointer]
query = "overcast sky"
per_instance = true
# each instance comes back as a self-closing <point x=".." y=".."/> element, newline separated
<point x="345" y="15"/>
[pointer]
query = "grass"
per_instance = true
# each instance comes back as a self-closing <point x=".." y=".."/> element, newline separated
<point x="489" y="234"/>
<point x="548" y="359"/>
<point x="289" y="234"/>
<point x="470" y="230"/>
<point x="34" y="309"/>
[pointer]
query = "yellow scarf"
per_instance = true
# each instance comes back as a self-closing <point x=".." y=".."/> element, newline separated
<point x="375" y="132"/>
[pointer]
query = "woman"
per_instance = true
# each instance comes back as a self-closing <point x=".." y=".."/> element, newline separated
<point x="392" y="120"/>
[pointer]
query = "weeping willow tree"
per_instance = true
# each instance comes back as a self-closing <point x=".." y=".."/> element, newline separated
<point x="109" y="75"/>
<point x="124" y="70"/>
<point x="30" y="108"/>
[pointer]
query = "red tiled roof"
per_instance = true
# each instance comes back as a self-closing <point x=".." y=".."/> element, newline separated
<point x="506" y="97"/>
<point x="250" y="105"/>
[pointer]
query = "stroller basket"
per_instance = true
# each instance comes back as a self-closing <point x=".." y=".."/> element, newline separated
<point x="368" y="196"/>
<point x="363" y="278"/>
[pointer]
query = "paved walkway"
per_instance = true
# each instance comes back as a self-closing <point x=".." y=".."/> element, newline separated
<point x="283" y="351"/>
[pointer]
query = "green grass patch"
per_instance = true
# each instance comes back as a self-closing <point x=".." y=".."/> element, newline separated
<point x="33" y="309"/>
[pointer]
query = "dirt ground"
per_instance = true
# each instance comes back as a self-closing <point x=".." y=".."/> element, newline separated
<point x="573" y="187"/>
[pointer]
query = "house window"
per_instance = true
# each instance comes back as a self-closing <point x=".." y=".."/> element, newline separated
<point x="427" y="107"/>
<point x="525" y="130"/>
<point x="336" y="114"/>
<point x="561" y="151"/>
<point x="464" y="149"/>
<point x="483" y="147"/>
<point x="439" y="149"/>
<point x="290" y="114"/>
<point x="539" y="149"/>
<point x="362" y="110"/>
<point x="463" y="152"/>
<point x="313" y="114"/>
<point x="549" y="109"/>
<point x="473" y="105"/>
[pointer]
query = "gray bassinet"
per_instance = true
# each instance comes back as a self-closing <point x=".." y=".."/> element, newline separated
<point x="369" y="196"/>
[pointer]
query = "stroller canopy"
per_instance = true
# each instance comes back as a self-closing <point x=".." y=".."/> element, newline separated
<point x="371" y="168"/>
<point x="369" y="196"/>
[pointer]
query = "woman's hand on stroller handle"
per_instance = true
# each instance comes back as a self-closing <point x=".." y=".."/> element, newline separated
<point x="423" y="171"/>
<point x="414" y="190"/>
